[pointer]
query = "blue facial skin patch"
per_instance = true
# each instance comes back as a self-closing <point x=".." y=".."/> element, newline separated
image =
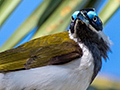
<point x="91" y="14"/>
<point x="97" y="24"/>
<point x="89" y="17"/>
<point x="74" y="15"/>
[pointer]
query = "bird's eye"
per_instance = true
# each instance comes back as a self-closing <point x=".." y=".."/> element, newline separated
<point x="95" y="19"/>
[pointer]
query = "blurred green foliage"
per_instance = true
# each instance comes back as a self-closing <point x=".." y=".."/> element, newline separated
<point x="101" y="83"/>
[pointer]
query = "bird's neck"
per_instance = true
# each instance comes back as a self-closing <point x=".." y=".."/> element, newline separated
<point x="81" y="69"/>
<point x="83" y="34"/>
<point x="96" y="46"/>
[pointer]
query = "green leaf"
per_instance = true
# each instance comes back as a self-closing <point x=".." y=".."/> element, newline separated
<point x="103" y="83"/>
<point x="60" y="19"/>
<point x="6" y="8"/>
<point x="36" y="18"/>
<point x="1" y="2"/>
<point x="109" y="9"/>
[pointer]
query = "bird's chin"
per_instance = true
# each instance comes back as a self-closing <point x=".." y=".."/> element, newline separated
<point x="81" y="21"/>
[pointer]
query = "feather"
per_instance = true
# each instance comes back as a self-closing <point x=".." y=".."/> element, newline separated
<point x="40" y="52"/>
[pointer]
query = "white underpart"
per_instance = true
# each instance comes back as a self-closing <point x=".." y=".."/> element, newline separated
<point x="75" y="75"/>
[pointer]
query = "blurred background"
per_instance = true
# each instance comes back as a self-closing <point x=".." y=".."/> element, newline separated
<point x="23" y="20"/>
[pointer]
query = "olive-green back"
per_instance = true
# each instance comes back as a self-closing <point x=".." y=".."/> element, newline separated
<point x="37" y="52"/>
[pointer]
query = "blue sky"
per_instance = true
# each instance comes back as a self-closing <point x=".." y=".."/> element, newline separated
<point x="112" y="29"/>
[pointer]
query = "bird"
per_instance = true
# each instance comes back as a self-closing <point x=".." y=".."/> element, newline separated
<point x="69" y="60"/>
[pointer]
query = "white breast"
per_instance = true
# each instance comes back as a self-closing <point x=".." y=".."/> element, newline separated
<point x="75" y="75"/>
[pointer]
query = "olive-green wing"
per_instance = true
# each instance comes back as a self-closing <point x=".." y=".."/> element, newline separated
<point x="46" y="50"/>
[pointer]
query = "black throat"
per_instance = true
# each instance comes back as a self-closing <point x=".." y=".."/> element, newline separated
<point x="97" y="46"/>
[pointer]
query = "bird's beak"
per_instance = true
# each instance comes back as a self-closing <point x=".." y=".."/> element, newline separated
<point x="82" y="17"/>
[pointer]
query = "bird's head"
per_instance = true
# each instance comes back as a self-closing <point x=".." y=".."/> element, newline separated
<point x="87" y="23"/>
